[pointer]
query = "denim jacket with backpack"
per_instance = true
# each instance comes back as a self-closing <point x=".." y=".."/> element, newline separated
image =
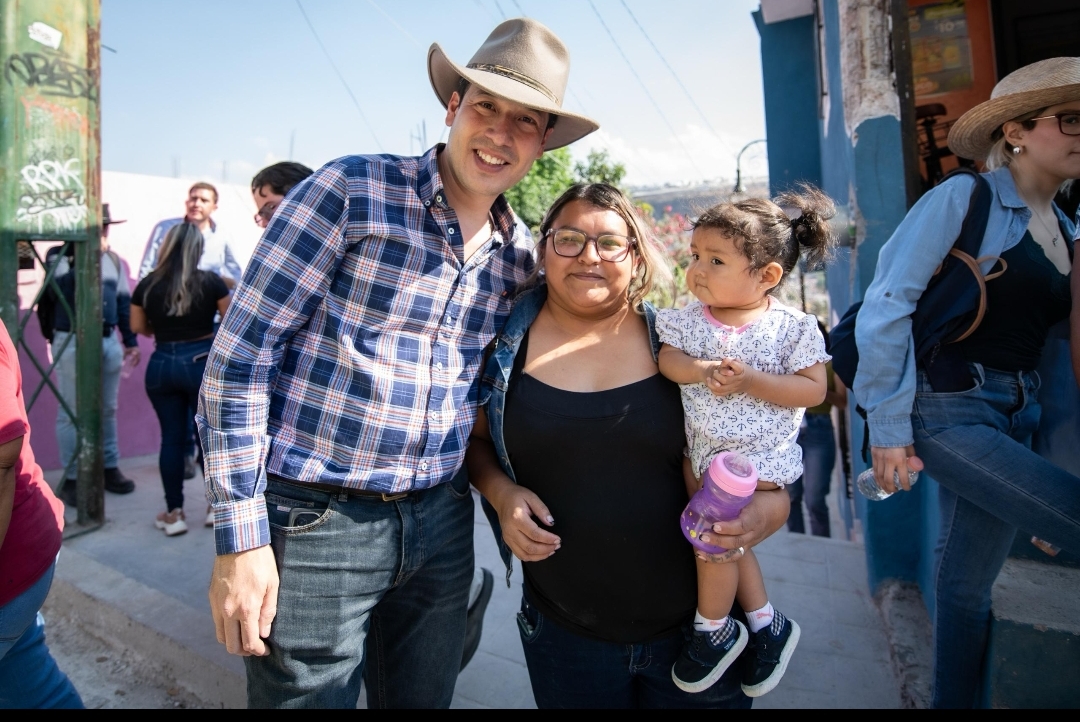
<point x="885" y="381"/>
<point x="496" y="379"/>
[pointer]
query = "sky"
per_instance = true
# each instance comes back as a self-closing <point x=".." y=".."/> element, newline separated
<point x="217" y="89"/>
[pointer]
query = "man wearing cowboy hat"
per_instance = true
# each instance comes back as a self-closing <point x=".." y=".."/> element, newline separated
<point x="116" y="315"/>
<point x="342" y="387"/>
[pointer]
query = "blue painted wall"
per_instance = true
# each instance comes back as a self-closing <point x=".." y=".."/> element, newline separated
<point x="789" y="73"/>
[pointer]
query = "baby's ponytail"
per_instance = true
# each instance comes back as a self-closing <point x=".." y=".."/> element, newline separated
<point x="810" y="228"/>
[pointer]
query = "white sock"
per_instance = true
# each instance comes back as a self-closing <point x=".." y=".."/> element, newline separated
<point x="704" y="624"/>
<point x="760" y="618"/>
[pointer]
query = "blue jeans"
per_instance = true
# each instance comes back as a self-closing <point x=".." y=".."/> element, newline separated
<point x="819" y="456"/>
<point x="112" y="358"/>
<point x="571" y="671"/>
<point x="369" y="589"/>
<point x="173" y="377"/>
<point x="976" y="443"/>
<point x="29" y="677"/>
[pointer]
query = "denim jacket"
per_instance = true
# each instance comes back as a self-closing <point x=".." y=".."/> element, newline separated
<point x="496" y="379"/>
<point x="885" y="380"/>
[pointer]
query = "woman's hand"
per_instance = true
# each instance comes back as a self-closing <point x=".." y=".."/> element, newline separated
<point x="760" y="519"/>
<point x="890" y="460"/>
<point x="517" y="506"/>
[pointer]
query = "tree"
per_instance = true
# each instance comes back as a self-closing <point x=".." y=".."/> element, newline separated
<point x="547" y="179"/>
<point x="598" y="168"/>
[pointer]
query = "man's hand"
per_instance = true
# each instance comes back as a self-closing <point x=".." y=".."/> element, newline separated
<point x="894" y="459"/>
<point x="133" y="354"/>
<point x="243" y="600"/>
<point x="517" y="506"/>
<point x="766" y="512"/>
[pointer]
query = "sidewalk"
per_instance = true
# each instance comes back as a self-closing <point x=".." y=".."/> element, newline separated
<point x="131" y="584"/>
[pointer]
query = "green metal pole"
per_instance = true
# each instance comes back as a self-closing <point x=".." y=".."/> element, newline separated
<point x="50" y="187"/>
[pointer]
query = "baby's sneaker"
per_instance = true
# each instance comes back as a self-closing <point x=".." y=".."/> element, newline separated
<point x="707" y="655"/>
<point x="768" y="655"/>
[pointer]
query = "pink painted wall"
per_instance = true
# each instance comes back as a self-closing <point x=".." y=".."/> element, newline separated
<point x="142" y="201"/>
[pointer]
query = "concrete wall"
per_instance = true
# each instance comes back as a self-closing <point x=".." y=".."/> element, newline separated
<point x="789" y="74"/>
<point x="142" y="201"/>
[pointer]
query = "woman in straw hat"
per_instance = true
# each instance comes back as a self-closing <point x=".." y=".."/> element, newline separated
<point x="976" y="441"/>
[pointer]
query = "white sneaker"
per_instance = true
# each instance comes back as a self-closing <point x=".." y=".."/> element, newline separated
<point x="210" y="517"/>
<point x="172" y="523"/>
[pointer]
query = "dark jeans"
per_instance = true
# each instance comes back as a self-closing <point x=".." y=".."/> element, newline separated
<point x="975" y="443"/>
<point x="369" y="589"/>
<point x="570" y="671"/>
<point x="173" y="377"/>
<point x="819" y="456"/>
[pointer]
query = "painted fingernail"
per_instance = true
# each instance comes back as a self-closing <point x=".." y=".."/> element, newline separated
<point x="551" y="521"/>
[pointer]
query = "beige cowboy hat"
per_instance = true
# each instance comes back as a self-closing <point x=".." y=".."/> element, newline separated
<point x="1035" y="86"/>
<point x="521" y="61"/>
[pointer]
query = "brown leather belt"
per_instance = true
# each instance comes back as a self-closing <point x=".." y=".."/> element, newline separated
<point x="340" y="490"/>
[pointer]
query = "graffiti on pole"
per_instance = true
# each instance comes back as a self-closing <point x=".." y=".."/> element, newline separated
<point x="52" y="74"/>
<point x="52" y="196"/>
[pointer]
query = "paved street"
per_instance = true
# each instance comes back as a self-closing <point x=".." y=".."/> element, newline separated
<point x="160" y="582"/>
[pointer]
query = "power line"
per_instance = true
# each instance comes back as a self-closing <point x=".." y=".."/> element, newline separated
<point x="486" y="9"/>
<point x="340" y="76"/>
<point x="600" y="138"/>
<point x="516" y="4"/>
<point x="645" y="88"/>
<point x="499" y="8"/>
<point x="675" y="75"/>
<point x="396" y="25"/>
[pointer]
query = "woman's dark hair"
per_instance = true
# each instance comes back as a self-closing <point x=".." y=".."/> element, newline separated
<point x="463" y="87"/>
<point x="281" y="177"/>
<point x="766" y="233"/>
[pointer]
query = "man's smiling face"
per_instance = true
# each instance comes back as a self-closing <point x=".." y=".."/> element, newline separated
<point x="493" y="141"/>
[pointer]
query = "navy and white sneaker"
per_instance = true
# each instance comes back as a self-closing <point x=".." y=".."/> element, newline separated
<point x="707" y="655"/>
<point x="768" y="655"/>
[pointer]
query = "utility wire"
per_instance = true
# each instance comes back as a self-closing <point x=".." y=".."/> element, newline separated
<point x="518" y="6"/>
<point x="645" y="88"/>
<point x="395" y="24"/>
<point x="499" y="8"/>
<point x="486" y="9"/>
<point x="599" y="138"/>
<point x="340" y="76"/>
<point x="675" y="75"/>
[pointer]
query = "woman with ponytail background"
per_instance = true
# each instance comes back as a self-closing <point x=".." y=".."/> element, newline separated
<point x="176" y="305"/>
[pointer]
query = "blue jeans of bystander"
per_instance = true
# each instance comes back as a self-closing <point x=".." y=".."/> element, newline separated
<point x="112" y="358"/>
<point x="975" y="443"/>
<point x="570" y="671"/>
<point x="173" y="377"/>
<point x="818" y="444"/>
<point x="369" y="589"/>
<point x="29" y="677"/>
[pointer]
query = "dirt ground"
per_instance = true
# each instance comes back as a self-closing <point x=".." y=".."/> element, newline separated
<point x="108" y="678"/>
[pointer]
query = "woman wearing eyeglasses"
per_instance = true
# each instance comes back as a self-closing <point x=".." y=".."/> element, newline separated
<point x="975" y="440"/>
<point x="578" y="452"/>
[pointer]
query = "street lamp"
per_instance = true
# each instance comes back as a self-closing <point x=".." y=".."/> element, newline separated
<point x="739" y="187"/>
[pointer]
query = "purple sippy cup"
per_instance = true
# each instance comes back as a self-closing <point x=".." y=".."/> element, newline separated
<point x="727" y="485"/>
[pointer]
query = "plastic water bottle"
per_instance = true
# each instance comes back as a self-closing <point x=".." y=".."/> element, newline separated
<point x="871" y="490"/>
<point x="726" y="487"/>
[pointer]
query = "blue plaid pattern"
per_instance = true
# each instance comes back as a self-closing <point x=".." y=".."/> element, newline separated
<point x="351" y="352"/>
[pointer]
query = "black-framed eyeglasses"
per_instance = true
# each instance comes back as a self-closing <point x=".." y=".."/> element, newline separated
<point x="570" y="243"/>
<point x="1068" y="122"/>
<point x="262" y="218"/>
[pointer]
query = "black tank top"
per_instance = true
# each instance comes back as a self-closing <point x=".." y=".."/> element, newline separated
<point x="609" y="467"/>
<point x="1021" y="306"/>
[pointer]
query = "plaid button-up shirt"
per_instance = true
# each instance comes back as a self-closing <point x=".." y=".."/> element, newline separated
<point x="350" y="354"/>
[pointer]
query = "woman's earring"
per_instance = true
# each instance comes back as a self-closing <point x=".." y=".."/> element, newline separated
<point x="1017" y="150"/>
<point x="541" y="272"/>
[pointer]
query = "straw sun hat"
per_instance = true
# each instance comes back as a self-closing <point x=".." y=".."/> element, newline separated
<point x="521" y="61"/>
<point x="1035" y="86"/>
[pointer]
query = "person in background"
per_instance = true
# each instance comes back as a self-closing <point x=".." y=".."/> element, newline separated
<point x="818" y="442"/>
<point x="116" y="304"/>
<point x="972" y="428"/>
<point x="176" y="305"/>
<point x="31" y="529"/>
<point x="218" y="257"/>
<point x="268" y="189"/>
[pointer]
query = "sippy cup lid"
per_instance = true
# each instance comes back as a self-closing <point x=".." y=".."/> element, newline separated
<point x="734" y="473"/>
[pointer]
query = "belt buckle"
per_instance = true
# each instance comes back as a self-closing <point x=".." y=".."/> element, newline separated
<point x="394" y="497"/>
